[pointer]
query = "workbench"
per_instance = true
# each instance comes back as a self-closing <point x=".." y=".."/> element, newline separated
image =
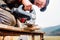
<point x="14" y="31"/>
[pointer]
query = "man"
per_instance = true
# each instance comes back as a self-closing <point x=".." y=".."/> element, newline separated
<point x="27" y="6"/>
<point x="42" y="4"/>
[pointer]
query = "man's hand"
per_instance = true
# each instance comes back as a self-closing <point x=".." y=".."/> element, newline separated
<point x="40" y="3"/>
<point x="27" y="4"/>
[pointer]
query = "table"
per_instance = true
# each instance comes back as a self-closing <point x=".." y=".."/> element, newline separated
<point x="14" y="31"/>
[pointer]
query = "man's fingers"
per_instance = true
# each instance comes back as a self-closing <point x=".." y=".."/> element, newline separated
<point x="29" y="7"/>
<point x="40" y="3"/>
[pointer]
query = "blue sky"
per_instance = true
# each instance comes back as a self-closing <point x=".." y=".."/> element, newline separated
<point x="51" y="16"/>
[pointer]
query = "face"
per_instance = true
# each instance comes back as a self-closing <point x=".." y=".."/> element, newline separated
<point x="40" y="3"/>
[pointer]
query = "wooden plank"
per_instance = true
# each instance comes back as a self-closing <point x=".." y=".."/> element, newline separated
<point x="14" y="31"/>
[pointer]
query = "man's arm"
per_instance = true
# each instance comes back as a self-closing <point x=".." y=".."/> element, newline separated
<point x="26" y="2"/>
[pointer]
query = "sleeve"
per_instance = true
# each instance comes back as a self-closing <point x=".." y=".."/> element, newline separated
<point x="32" y="1"/>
